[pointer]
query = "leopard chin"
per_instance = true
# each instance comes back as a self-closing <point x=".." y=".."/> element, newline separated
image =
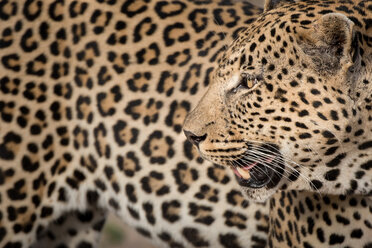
<point x="259" y="195"/>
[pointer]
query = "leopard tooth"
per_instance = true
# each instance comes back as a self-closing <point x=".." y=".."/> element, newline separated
<point x="244" y="173"/>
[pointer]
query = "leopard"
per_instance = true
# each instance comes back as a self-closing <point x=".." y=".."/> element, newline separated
<point x="289" y="111"/>
<point x="93" y="95"/>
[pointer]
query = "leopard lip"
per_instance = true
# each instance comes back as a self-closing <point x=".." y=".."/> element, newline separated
<point x="257" y="181"/>
<point x="243" y="172"/>
<point x="257" y="174"/>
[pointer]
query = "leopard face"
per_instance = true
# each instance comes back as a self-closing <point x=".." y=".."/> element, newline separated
<point x="290" y="102"/>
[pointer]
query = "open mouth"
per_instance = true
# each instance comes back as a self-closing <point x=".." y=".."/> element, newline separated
<point x="263" y="170"/>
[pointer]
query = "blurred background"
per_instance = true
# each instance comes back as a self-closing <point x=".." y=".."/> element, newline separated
<point x="117" y="235"/>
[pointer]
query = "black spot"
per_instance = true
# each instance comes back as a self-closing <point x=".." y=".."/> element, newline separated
<point x="179" y="175"/>
<point x="169" y="210"/>
<point x="148" y="207"/>
<point x="307" y="245"/>
<point x="85" y="217"/>
<point x="120" y="133"/>
<point x="332" y="175"/>
<point x="128" y="5"/>
<point x="235" y="219"/>
<point x="272" y="32"/>
<point x="5" y="152"/>
<point x="320" y="235"/>
<point x="146" y="147"/>
<point x="303" y="113"/>
<point x="16" y="193"/>
<point x="317" y="104"/>
<point x="336" y="239"/>
<point x="293" y="83"/>
<point x="141" y="55"/>
<point x="328" y="134"/>
<point x="301" y="125"/>
<point x="359" y="174"/>
<point x="229" y="240"/>
<point x="108" y="172"/>
<point x="171" y="119"/>
<point x="133" y="213"/>
<point x="242" y="59"/>
<point x="13" y="245"/>
<point x="46" y="212"/>
<point x="101" y="185"/>
<point x="114" y="204"/>
<point x="262" y="38"/>
<point x="193" y="17"/>
<point x="367" y="165"/>
<point x="252" y="47"/>
<point x="154" y="176"/>
<point x="62" y="195"/>
<point x="334" y="115"/>
<point x="51" y="188"/>
<point x="359" y="132"/>
<point x="321" y="116"/>
<point x="331" y="150"/>
<point x="316" y="184"/>
<point x="2" y="233"/>
<point x="167" y="31"/>
<point x="200" y="213"/>
<point x="143" y="232"/>
<point x="365" y="145"/>
<point x="27" y="44"/>
<point x="101" y="97"/>
<point x="79" y="175"/>
<point x="340" y="100"/>
<point x="192" y="235"/>
<point x="175" y="7"/>
<point x="99" y="225"/>
<point x="305" y="136"/>
<point x="84" y="244"/>
<point x="32" y="9"/>
<point x="369" y="245"/>
<point x="336" y="161"/>
<point x="326" y="218"/>
<point x="356" y="233"/>
<point x="214" y="175"/>
<point x="342" y="220"/>
<point x="131" y="193"/>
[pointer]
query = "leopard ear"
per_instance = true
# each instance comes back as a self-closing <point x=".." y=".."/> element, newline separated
<point x="273" y="4"/>
<point x="330" y="42"/>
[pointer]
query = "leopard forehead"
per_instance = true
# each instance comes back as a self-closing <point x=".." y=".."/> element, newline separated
<point x="280" y="37"/>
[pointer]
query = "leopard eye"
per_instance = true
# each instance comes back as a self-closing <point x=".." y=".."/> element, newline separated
<point x="246" y="82"/>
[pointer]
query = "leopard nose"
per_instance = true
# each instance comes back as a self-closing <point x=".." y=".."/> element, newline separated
<point x="194" y="139"/>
